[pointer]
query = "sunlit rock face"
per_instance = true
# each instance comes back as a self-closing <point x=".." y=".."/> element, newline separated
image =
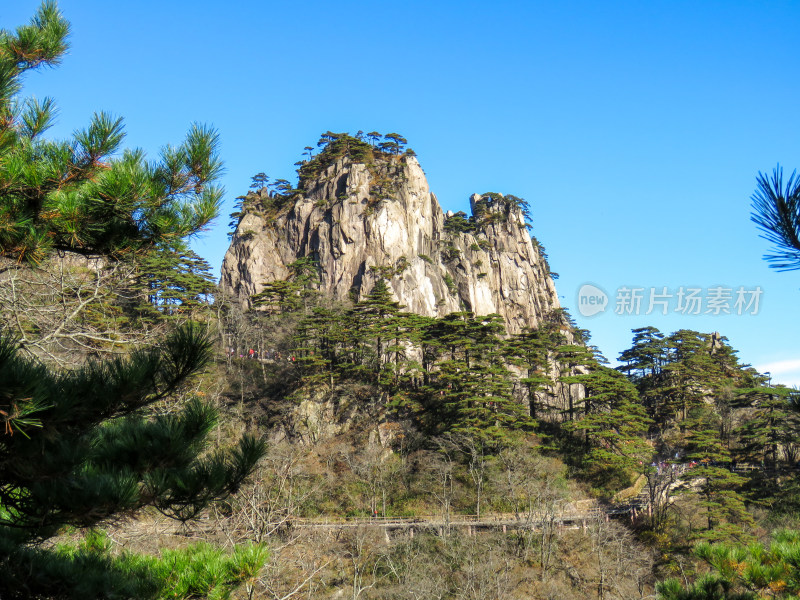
<point x="360" y="222"/>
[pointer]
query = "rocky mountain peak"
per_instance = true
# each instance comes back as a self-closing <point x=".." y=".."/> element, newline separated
<point x="364" y="212"/>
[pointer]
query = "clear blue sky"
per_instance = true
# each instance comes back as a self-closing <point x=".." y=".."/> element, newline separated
<point x="634" y="129"/>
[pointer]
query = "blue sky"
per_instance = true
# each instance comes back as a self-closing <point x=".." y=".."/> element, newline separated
<point x="634" y="129"/>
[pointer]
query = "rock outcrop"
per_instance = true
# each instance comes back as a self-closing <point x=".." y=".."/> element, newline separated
<point x="364" y="219"/>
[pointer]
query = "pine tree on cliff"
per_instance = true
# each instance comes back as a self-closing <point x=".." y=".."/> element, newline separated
<point x="531" y="350"/>
<point x="388" y="325"/>
<point x="394" y="143"/>
<point x="295" y="293"/>
<point x="375" y="315"/>
<point x="470" y="388"/>
<point x="611" y="424"/>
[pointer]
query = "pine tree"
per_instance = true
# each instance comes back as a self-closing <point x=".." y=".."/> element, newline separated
<point x="531" y="350"/>
<point x="321" y="344"/>
<point x="259" y="181"/>
<point x="612" y="424"/>
<point x="776" y="211"/>
<point x="768" y="439"/>
<point x="394" y="143"/>
<point x="380" y="316"/>
<point x="573" y="359"/>
<point x="79" y="450"/>
<point x="771" y="425"/>
<point x="296" y="292"/>
<point x="173" y="280"/>
<point x="738" y="572"/>
<point x="469" y="390"/>
<point x="646" y="357"/>
<point x="75" y="195"/>
<point x="717" y="486"/>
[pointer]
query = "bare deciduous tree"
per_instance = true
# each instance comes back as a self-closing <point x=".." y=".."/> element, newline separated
<point x="277" y="490"/>
<point x="70" y="307"/>
<point x="622" y="567"/>
<point x="535" y="488"/>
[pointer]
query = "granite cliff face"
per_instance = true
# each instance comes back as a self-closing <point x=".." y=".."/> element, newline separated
<point x="364" y="218"/>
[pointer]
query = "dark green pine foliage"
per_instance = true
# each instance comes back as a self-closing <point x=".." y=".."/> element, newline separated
<point x="675" y="374"/>
<point x="379" y="317"/>
<point x="76" y="195"/>
<point x="717" y="487"/>
<point x="321" y="346"/>
<point x="410" y="394"/>
<point x="768" y="440"/>
<point x="366" y="341"/>
<point x="776" y="212"/>
<point x="690" y="382"/>
<point x="460" y="223"/>
<point x="680" y="372"/>
<point x="772" y="424"/>
<point x="644" y="362"/>
<point x="531" y="351"/>
<point x="174" y="280"/>
<point x="78" y="449"/>
<point x="573" y="360"/>
<point x="689" y="375"/>
<point x="295" y="293"/>
<point x="602" y="430"/>
<point x="394" y="144"/>
<point x="335" y="146"/>
<point x="470" y="389"/>
<point x="610" y="424"/>
<point x="647" y="355"/>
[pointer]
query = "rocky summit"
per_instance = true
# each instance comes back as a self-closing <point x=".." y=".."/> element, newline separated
<point x="363" y="214"/>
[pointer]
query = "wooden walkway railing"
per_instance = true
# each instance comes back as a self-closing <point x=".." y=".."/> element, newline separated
<point x="580" y="512"/>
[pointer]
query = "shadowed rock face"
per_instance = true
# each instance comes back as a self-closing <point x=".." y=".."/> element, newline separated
<point x="359" y="221"/>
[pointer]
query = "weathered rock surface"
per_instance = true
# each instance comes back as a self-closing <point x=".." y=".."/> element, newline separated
<point x="360" y="222"/>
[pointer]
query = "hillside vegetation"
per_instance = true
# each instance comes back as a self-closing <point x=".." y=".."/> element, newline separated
<point x="160" y="441"/>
